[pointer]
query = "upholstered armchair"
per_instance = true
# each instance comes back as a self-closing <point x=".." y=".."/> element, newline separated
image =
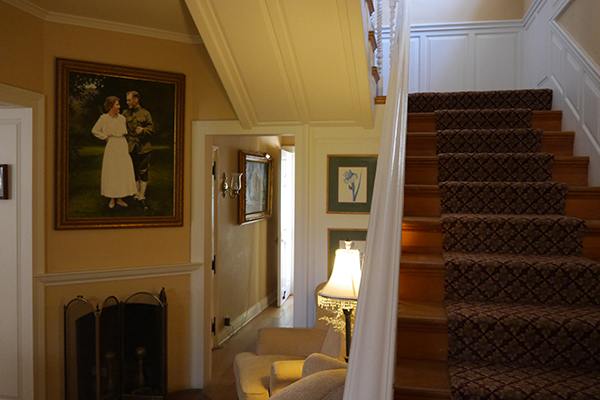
<point x="280" y="355"/>
<point x="323" y="378"/>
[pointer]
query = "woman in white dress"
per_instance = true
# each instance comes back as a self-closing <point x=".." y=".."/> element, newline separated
<point x="118" y="178"/>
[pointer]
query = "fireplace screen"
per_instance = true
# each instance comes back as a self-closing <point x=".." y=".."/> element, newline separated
<point x="117" y="350"/>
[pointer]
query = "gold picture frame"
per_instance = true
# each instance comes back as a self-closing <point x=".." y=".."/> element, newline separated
<point x="82" y="93"/>
<point x="256" y="194"/>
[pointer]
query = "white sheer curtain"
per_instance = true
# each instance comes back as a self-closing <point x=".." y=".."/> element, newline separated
<point x="373" y="351"/>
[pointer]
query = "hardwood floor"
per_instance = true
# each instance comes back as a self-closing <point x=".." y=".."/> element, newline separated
<point x="222" y="386"/>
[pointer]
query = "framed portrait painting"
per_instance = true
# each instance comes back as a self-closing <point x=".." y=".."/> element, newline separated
<point x="119" y="146"/>
<point x="350" y="181"/>
<point x="336" y="239"/>
<point x="256" y="194"/>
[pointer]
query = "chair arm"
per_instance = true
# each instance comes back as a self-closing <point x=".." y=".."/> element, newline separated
<point x="319" y="362"/>
<point x="289" y="341"/>
<point x="283" y="374"/>
<point x="324" y="385"/>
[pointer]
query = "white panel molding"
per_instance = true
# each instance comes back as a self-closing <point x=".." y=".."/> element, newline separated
<point x="70" y="278"/>
<point x="467" y="73"/>
<point x="60" y="18"/>
<point x="496" y="61"/>
<point x="591" y="108"/>
<point x="571" y="73"/>
<point x="448" y="67"/>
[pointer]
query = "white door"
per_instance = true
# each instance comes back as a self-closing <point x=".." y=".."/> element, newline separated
<point x="286" y="226"/>
<point x="16" y="327"/>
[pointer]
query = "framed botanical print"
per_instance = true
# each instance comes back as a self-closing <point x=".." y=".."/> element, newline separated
<point x="256" y="194"/>
<point x="336" y="239"/>
<point x="119" y="146"/>
<point x="350" y="181"/>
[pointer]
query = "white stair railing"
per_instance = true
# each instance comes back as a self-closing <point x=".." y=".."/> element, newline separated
<point x="373" y="351"/>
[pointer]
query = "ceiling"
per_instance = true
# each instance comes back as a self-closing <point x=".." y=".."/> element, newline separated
<point x="156" y="18"/>
<point x="282" y="62"/>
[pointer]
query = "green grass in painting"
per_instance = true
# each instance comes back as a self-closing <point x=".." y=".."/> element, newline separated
<point x="85" y="200"/>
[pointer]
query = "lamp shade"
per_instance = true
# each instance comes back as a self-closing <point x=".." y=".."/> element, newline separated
<point x="344" y="282"/>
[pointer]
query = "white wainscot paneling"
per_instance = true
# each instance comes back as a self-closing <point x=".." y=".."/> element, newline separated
<point x="557" y="54"/>
<point x="496" y="61"/>
<point x="591" y="108"/>
<point x="535" y="50"/>
<point x="572" y="71"/>
<point x="448" y="63"/>
<point x="414" y="75"/>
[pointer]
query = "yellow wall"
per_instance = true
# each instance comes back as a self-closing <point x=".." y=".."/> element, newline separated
<point x="580" y="20"/>
<point x="527" y="5"/>
<point x="440" y="11"/>
<point x="29" y="47"/>
<point x="247" y="254"/>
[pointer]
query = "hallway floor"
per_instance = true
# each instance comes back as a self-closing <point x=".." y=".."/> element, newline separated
<point x="222" y="386"/>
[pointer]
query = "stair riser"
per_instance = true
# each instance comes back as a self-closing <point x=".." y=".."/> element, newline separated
<point x="421" y="285"/>
<point x="425" y="144"/>
<point x="426" y="203"/>
<point x="427" y="238"/>
<point x="546" y="120"/>
<point x="573" y="172"/>
<point x="422" y="342"/>
<point x="521" y="333"/>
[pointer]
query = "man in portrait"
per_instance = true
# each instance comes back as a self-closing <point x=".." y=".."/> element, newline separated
<point x="139" y="132"/>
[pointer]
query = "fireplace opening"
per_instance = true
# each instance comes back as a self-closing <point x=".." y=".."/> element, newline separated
<point x="117" y="351"/>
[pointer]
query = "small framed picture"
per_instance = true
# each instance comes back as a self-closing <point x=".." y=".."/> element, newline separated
<point x="256" y="195"/>
<point x="336" y="239"/>
<point x="350" y="183"/>
<point x="4" y="185"/>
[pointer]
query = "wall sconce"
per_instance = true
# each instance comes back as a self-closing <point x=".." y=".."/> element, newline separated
<point x="236" y="185"/>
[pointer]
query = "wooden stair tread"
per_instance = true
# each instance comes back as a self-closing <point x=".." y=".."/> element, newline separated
<point x="548" y="120"/>
<point x="572" y="170"/>
<point x="557" y="159"/>
<point x="421" y="260"/>
<point x="422" y="379"/>
<point x="554" y="142"/>
<point x="422" y="313"/>
<point x="424" y="200"/>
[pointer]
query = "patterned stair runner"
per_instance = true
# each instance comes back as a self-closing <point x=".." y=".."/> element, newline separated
<point x="495" y="167"/>
<point x="513" y="118"/>
<point x="539" y="99"/>
<point x="489" y="140"/>
<point x="503" y="197"/>
<point x="523" y="306"/>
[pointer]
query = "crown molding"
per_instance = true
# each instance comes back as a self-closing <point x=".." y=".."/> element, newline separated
<point x="60" y="18"/>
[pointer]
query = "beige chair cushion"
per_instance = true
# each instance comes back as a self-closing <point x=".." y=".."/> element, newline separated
<point x="252" y="374"/>
<point x="284" y="373"/>
<point x="324" y="385"/>
<point x="289" y="341"/>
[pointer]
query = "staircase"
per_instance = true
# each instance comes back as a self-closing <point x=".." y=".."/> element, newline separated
<point x="499" y="280"/>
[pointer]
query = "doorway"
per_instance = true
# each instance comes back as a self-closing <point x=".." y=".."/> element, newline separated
<point x="16" y="247"/>
<point x="286" y="224"/>
<point x="253" y="262"/>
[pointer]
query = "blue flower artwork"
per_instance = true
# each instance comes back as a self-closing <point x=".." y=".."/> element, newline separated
<point x="351" y="185"/>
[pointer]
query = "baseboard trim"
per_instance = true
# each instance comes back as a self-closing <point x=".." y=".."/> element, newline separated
<point x="246" y="317"/>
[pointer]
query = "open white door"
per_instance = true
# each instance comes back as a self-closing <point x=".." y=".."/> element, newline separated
<point x="16" y="263"/>
<point x="286" y="226"/>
